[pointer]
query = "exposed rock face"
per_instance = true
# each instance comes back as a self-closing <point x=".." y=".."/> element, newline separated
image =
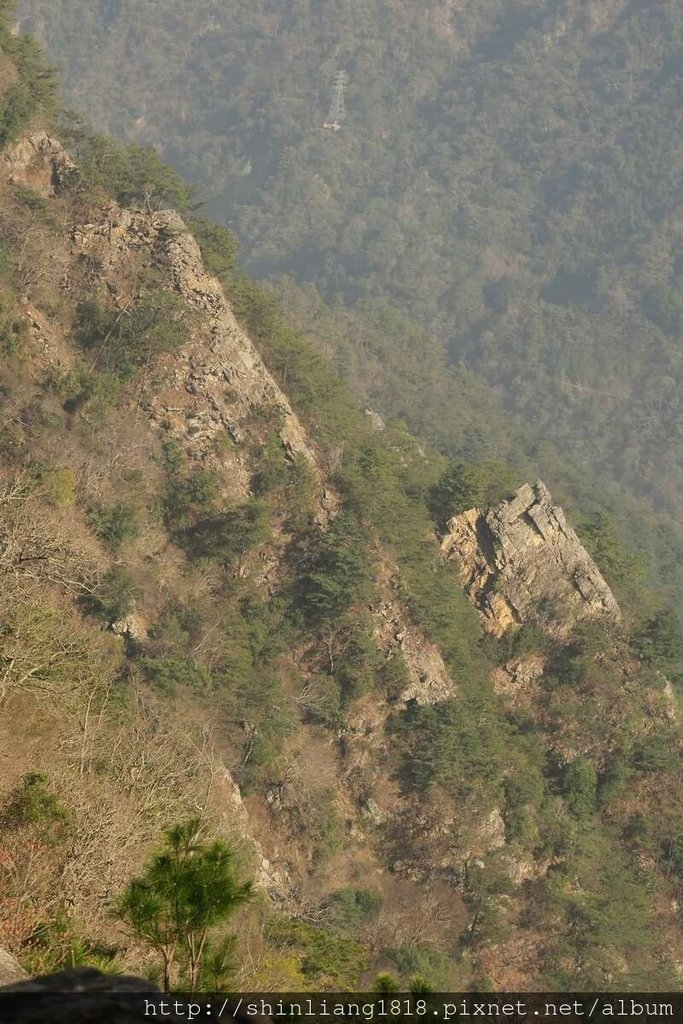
<point x="41" y="162"/>
<point x="375" y="420"/>
<point x="519" y="679"/>
<point x="522" y="562"/>
<point x="219" y="382"/>
<point x="269" y="876"/>
<point x="429" y="678"/>
<point x="132" y="627"/>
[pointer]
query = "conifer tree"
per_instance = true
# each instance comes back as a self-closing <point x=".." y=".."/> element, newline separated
<point x="186" y="891"/>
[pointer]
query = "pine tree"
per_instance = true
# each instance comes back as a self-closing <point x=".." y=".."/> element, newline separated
<point x="186" y="890"/>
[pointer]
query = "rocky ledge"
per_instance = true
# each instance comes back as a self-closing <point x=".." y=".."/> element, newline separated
<point x="522" y="562"/>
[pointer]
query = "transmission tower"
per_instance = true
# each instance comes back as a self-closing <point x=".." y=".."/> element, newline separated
<point x="337" y="112"/>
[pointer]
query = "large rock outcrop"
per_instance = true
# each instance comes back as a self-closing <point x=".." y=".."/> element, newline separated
<point x="219" y="380"/>
<point x="40" y="162"/>
<point x="522" y="562"/>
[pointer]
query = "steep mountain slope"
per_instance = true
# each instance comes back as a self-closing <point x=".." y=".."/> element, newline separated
<point x="223" y="592"/>
<point x="224" y="425"/>
<point x="507" y="176"/>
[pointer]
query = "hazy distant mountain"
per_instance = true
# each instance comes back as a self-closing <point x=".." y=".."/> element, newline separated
<point x="508" y="175"/>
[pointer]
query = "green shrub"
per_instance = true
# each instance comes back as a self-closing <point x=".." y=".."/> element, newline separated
<point x="324" y="828"/>
<point x="469" y="485"/>
<point x="272" y="468"/>
<point x="426" y="961"/>
<point x="268" y="629"/>
<point x="451" y="745"/>
<point x="330" y="962"/>
<point x="13" y="332"/>
<point x="178" y="630"/>
<point x="115" y="597"/>
<point x="671" y="854"/>
<point x="523" y="793"/>
<point x="637" y="829"/>
<point x="612" y="781"/>
<point x="258" y="702"/>
<point x="655" y="753"/>
<point x="579" y="785"/>
<point x="35" y="89"/>
<point x="219" y="246"/>
<point x="566" y="667"/>
<point x="133" y="175"/>
<point x="173" y="456"/>
<point x="228" y="537"/>
<point x="37" y="204"/>
<point x="340" y="572"/>
<point x="517" y="643"/>
<point x="600" y="536"/>
<point x="660" y="640"/>
<point x="34" y="803"/>
<point x="94" y="321"/>
<point x="556" y="828"/>
<point x="158" y="322"/>
<point x="187" y="497"/>
<point x="169" y="675"/>
<point x="349" y="909"/>
<point x="55" y="945"/>
<point x="83" y="389"/>
<point x="114" y="524"/>
<point x="300" y="505"/>
<point x="356" y="665"/>
<point x="393" y="676"/>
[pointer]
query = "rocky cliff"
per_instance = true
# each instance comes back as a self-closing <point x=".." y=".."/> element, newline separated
<point x="40" y="161"/>
<point x="219" y="381"/>
<point x="522" y="562"/>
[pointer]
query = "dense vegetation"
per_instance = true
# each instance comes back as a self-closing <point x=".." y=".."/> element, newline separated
<point x="27" y="82"/>
<point x="109" y="519"/>
<point x="507" y="177"/>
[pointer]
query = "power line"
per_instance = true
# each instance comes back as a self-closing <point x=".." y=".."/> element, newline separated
<point x="337" y="112"/>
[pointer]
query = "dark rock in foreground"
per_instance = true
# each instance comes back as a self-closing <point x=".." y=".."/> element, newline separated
<point x="79" y="996"/>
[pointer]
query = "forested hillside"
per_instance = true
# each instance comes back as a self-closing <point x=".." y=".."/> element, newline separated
<point x="225" y="597"/>
<point x="508" y="176"/>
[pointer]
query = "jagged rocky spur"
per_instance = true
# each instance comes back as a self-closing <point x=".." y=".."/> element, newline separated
<point x="522" y="562"/>
<point x="40" y="161"/>
<point x="219" y="382"/>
